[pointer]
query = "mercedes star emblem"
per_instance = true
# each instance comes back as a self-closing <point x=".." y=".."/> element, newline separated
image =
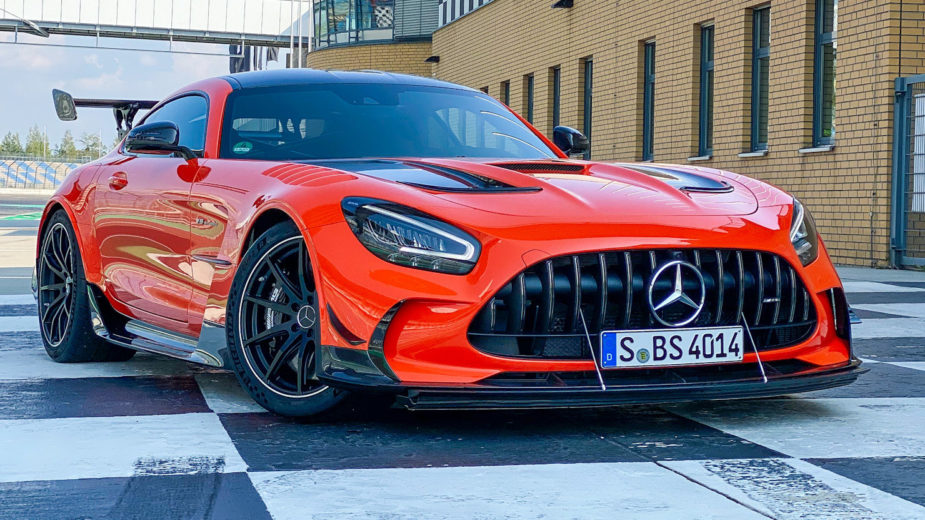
<point x="306" y="317"/>
<point x="672" y="302"/>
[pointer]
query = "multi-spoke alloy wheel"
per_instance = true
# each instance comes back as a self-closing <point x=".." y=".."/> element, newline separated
<point x="277" y="320"/>
<point x="64" y="299"/>
<point x="56" y="284"/>
<point x="273" y="325"/>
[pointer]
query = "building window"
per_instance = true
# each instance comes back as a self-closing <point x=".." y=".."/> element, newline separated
<point x="347" y="21"/>
<point x="506" y="92"/>
<point x="761" y="59"/>
<point x="824" y="73"/>
<point x="555" y="86"/>
<point x="528" y="97"/>
<point x="484" y="89"/>
<point x="588" y="73"/>
<point x="705" y="147"/>
<point x="648" y="100"/>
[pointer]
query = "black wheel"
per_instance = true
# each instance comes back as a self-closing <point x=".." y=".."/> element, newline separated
<point x="63" y="300"/>
<point x="272" y="326"/>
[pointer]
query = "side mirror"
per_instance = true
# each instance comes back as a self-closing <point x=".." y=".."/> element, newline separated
<point x="569" y="140"/>
<point x="157" y="138"/>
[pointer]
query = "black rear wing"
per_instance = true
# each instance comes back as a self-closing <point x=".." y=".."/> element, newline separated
<point x="124" y="110"/>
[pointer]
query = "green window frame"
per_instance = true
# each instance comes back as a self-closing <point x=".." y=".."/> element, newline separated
<point x="705" y="141"/>
<point x="648" y="100"/>
<point x="588" y="95"/>
<point x="761" y="60"/>
<point x="824" y="73"/>
<point x="528" y="95"/>
<point x="556" y="73"/>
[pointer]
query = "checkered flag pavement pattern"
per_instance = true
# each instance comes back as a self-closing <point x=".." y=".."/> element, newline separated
<point x="159" y="438"/>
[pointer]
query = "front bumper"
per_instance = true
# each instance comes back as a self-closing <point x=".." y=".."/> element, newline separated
<point x="426" y="340"/>
<point x="353" y="370"/>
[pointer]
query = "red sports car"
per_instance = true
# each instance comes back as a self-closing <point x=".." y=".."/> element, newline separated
<point x="320" y="233"/>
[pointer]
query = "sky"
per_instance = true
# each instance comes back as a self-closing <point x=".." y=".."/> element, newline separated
<point x="30" y="72"/>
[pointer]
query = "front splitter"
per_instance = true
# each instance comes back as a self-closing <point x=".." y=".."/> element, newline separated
<point x="492" y="398"/>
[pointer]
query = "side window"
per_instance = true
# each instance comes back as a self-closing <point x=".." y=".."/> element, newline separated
<point x="189" y="114"/>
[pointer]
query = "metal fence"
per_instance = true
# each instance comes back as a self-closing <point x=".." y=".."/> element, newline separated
<point x="908" y="223"/>
<point x="25" y="172"/>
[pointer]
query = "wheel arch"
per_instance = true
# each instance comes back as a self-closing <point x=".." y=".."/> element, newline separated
<point x="236" y="245"/>
<point x="51" y="208"/>
<point x="262" y="222"/>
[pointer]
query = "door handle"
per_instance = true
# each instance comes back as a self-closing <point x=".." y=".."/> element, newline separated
<point x="118" y="181"/>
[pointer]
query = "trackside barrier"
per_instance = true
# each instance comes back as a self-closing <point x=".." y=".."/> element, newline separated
<point x="29" y="173"/>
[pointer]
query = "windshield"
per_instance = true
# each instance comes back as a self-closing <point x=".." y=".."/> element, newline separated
<point x="349" y="121"/>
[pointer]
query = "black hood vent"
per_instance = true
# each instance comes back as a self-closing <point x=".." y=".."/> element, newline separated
<point x="425" y="176"/>
<point x="682" y="180"/>
<point x="542" y="167"/>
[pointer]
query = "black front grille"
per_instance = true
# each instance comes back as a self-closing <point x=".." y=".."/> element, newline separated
<point x="539" y="313"/>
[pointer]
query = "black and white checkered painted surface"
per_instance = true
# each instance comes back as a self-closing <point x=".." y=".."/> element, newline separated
<point x="157" y="438"/>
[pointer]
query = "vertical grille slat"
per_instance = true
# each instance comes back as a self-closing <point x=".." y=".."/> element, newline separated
<point x="547" y="299"/>
<point x="601" y="292"/>
<point x="572" y="321"/>
<point x="760" y="282"/>
<point x="653" y="265"/>
<point x="777" y="292"/>
<point x="740" y="286"/>
<point x="537" y="313"/>
<point x="793" y="293"/>
<point x="628" y="290"/>
<point x="720" y="286"/>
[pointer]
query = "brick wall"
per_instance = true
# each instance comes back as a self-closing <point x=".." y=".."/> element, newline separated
<point x="847" y="188"/>
<point x="907" y="24"/>
<point x="407" y="58"/>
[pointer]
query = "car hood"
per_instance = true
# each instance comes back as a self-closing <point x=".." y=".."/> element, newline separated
<point x="535" y="188"/>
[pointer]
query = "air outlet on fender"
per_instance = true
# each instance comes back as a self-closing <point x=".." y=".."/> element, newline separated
<point x="536" y="314"/>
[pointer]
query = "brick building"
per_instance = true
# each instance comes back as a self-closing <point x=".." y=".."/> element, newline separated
<point x="739" y="85"/>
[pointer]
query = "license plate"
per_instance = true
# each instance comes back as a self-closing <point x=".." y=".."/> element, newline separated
<point x="671" y="347"/>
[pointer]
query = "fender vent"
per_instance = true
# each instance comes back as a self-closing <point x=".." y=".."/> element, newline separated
<point x="306" y="175"/>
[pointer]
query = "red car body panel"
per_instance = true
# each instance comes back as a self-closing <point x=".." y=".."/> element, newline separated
<point x="164" y="248"/>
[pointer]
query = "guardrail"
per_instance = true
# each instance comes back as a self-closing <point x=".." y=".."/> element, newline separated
<point x="36" y="173"/>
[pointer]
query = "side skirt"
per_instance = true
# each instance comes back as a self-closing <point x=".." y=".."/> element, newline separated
<point x="209" y="349"/>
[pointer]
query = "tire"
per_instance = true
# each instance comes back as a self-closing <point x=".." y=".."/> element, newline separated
<point x="272" y="326"/>
<point x="64" y="301"/>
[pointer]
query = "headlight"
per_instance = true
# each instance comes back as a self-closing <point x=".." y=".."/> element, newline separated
<point x="407" y="237"/>
<point x="803" y="234"/>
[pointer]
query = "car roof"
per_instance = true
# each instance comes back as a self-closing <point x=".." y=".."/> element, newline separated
<point x="284" y="77"/>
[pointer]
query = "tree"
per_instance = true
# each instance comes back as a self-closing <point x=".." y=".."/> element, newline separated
<point x="66" y="148"/>
<point x="91" y="143"/>
<point x="11" y="144"/>
<point x="36" y="142"/>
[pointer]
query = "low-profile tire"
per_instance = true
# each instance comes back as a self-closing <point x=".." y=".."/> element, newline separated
<point x="64" y="301"/>
<point x="272" y="326"/>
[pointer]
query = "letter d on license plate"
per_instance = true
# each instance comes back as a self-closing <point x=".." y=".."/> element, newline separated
<point x="671" y="347"/>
